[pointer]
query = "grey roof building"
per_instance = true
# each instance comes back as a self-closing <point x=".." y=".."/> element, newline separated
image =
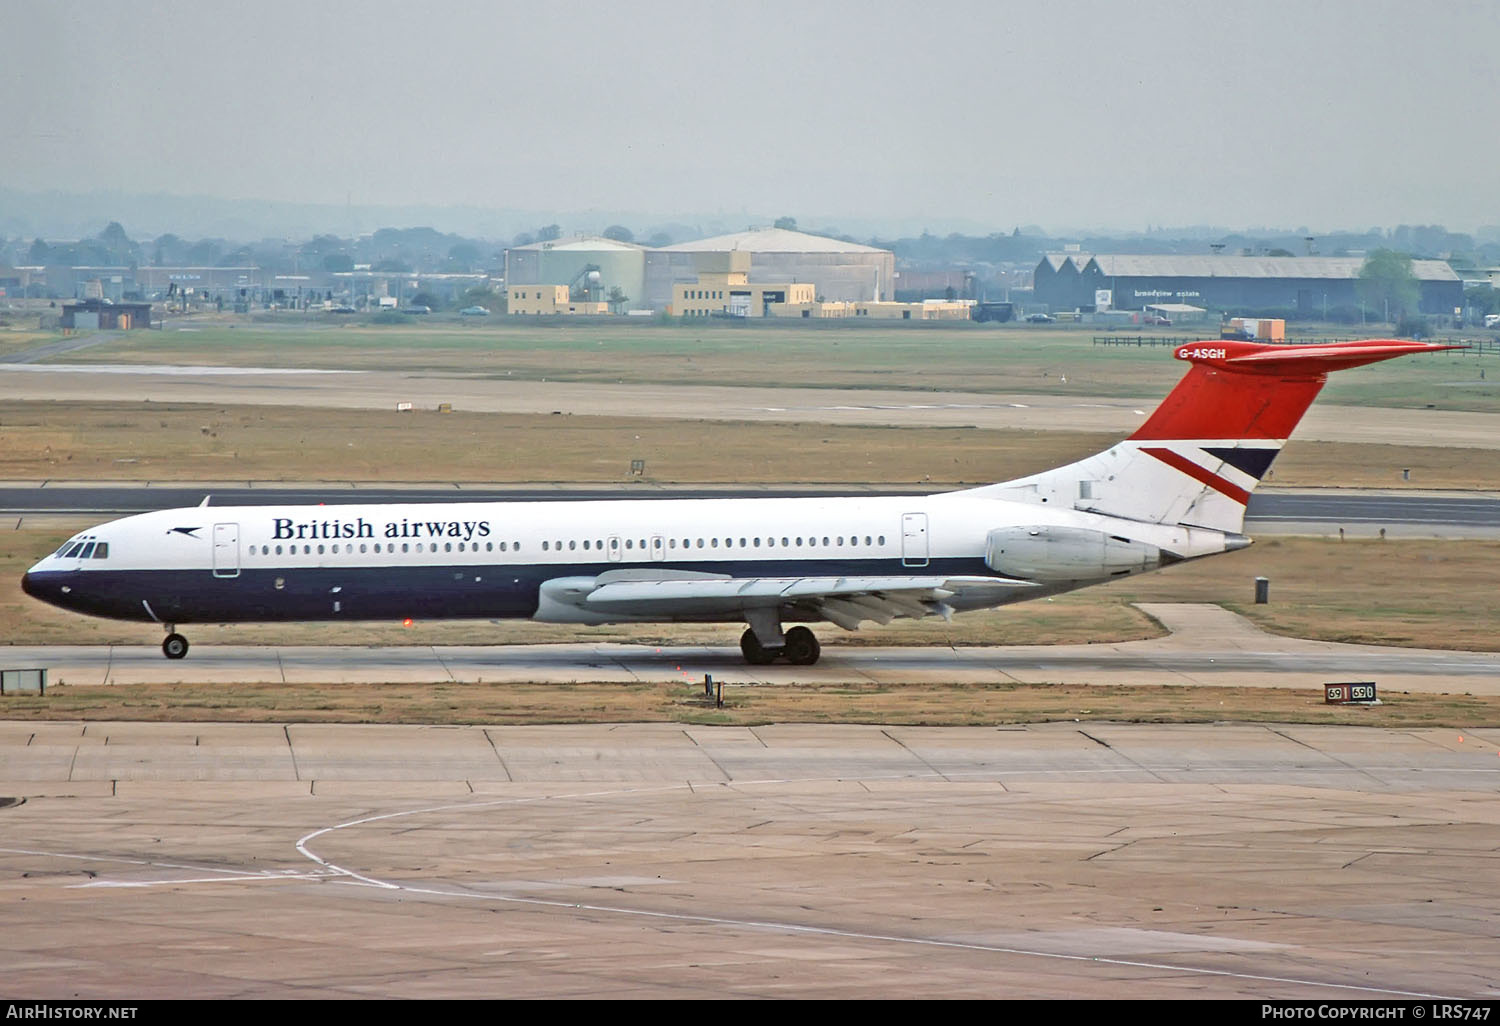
<point x="840" y="270"/>
<point x="1299" y="286"/>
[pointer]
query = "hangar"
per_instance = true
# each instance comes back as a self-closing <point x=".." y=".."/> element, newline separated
<point x="1298" y="286"/>
<point x="838" y="270"/>
<point x="569" y="262"/>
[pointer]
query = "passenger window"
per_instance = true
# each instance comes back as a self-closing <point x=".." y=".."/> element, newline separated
<point x="785" y="543"/>
<point x="585" y="545"/>
<point x="335" y="548"/>
<point x="714" y="542"/>
<point x="320" y="550"/>
<point x="629" y="543"/>
<point x="881" y="539"/>
<point x="502" y="547"/>
<point x="447" y="546"/>
<point x="544" y="546"/>
<point x="572" y="545"/>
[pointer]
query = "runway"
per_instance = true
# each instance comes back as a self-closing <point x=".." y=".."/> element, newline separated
<point x="477" y="393"/>
<point x="1055" y="861"/>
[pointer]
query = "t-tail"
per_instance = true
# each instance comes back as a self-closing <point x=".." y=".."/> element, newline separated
<point x="1197" y="458"/>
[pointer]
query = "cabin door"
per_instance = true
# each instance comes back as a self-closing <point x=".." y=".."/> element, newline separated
<point x="226" y="550"/>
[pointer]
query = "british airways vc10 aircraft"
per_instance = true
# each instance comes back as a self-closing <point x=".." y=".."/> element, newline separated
<point x="1174" y="490"/>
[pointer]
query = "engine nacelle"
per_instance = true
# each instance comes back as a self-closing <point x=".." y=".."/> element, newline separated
<point x="1050" y="553"/>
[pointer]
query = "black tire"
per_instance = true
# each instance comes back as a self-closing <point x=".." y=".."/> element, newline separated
<point x="175" y="646"/>
<point x="755" y="653"/>
<point x="802" y="648"/>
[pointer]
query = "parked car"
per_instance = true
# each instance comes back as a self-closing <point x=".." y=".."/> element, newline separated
<point x="474" y="311"/>
<point x="1160" y="322"/>
<point x="418" y="309"/>
<point x="1038" y="318"/>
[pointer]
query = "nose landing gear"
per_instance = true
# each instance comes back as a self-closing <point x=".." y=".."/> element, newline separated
<point x="175" y="646"/>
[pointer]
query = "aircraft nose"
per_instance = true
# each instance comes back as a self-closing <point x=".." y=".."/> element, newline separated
<point x="26" y="585"/>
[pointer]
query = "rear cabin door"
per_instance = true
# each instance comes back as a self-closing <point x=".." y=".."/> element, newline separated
<point x="914" y="539"/>
<point x="226" y="550"/>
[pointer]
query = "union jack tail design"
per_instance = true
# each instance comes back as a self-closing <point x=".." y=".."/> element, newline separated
<point x="1198" y="457"/>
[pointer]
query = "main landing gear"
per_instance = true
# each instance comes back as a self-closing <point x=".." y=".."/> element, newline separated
<point x="175" y="646"/>
<point x="800" y="648"/>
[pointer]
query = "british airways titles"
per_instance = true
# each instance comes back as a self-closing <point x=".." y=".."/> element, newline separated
<point x="285" y="528"/>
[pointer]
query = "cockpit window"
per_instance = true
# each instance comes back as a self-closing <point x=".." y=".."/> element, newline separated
<point x="101" y="551"/>
<point x="88" y="550"/>
<point x="73" y="550"/>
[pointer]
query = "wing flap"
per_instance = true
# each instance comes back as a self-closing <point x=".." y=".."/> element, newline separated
<point x="845" y="601"/>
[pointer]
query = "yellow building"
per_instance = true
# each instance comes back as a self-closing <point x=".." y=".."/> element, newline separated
<point x="927" y="310"/>
<point x="723" y="289"/>
<point x="539" y="300"/>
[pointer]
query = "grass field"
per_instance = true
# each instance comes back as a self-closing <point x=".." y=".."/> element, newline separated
<point x="917" y="705"/>
<point x="186" y="442"/>
<point x="831" y="354"/>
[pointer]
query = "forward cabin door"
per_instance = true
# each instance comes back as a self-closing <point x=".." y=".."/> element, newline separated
<point x="226" y="550"/>
<point x="914" y="539"/>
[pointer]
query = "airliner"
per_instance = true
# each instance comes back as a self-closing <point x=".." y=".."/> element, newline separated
<point x="1174" y="490"/>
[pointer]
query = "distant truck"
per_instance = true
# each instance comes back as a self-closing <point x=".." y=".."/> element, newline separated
<point x="997" y="312"/>
<point x="1254" y="329"/>
<point x="1492" y="320"/>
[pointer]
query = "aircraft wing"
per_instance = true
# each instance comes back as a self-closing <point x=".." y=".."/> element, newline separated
<point x="846" y="601"/>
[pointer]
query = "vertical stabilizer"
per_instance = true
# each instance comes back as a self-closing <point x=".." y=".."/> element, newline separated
<point x="1201" y="453"/>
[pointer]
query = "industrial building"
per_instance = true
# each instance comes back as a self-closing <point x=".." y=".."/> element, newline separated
<point x="547" y="300"/>
<point x="836" y="270"/>
<point x="1309" y="286"/>
<point x="96" y="314"/>
<point x="586" y="265"/>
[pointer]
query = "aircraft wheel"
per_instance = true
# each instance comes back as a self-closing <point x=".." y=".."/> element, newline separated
<point x="755" y="653"/>
<point x="175" y="646"/>
<point x="802" y="648"/>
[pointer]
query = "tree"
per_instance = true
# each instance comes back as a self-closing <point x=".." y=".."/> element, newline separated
<point x="463" y="255"/>
<point x="789" y="223"/>
<point x="117" y="245"/>
<point x="1387" y="284"/>
<point x="619" y="233"/>
<point x="548" y="233"/>
<point x="38" y="252"/>
<point x="335" y="262"/>
<point x="616" y="298"/>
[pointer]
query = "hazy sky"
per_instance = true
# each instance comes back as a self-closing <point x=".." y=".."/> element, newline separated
<point x="1069" y="113"/>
